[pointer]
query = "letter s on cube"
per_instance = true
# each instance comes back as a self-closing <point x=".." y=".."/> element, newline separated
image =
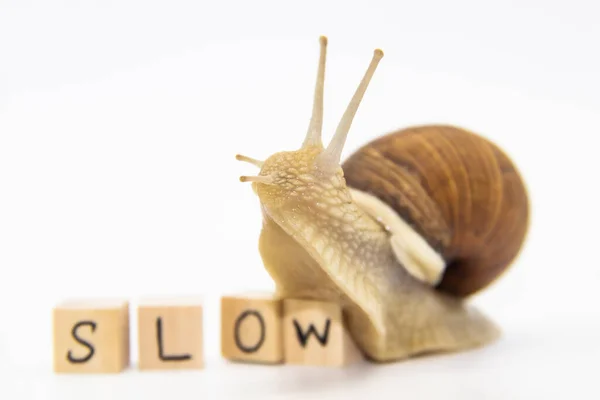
<point x="91" y="336"/>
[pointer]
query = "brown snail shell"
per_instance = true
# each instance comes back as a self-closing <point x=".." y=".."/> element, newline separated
<point x="457" y="189"/>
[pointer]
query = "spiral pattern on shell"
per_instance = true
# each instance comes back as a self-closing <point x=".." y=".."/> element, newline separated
<point x="458" y="190"/>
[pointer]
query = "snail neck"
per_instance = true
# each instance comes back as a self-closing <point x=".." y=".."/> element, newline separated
<point x="326" y="247"/>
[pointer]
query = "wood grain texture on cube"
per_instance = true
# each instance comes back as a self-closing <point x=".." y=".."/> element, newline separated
<point x="251" y="328"/>
<point x="91" y="336"/>
<point x="170" y="334"/>
<point x="314" y="334"/>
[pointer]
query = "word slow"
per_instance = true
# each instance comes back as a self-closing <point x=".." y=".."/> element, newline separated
<point x="93" y="336"/>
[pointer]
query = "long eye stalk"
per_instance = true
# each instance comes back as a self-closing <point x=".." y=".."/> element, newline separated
<point x="332" y="154"/>
<point x="313" y="136"/>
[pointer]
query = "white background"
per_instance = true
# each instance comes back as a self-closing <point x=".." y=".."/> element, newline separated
<point x="119" y="122"/>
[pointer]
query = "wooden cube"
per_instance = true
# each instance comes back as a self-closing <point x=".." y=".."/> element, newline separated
<point x="170" y="334"/>
<point x="251" y="328"/>
<point x="91" y="336"/>
<point x="314" y="334"/>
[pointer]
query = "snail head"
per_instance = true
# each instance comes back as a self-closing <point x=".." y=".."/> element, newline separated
<point x="289" y="175"/>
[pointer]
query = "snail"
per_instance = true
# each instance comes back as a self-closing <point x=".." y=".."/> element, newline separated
<point x="400" y="234"/>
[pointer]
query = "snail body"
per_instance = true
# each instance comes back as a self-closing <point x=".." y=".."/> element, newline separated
<point x="399" y="234"/>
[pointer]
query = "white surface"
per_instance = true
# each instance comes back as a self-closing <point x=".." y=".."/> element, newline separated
<point x="527" y="364"/>
<point x="118" y="129"/>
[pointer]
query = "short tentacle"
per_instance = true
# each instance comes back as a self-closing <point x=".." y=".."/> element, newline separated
<point x="267" y="180"/>
<point x="249" y="160"/>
